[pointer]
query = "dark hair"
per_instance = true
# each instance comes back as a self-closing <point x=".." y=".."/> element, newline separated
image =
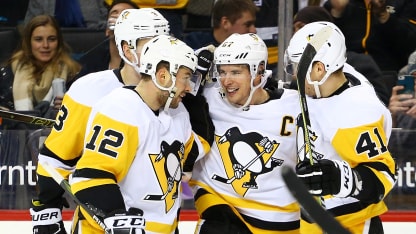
<point x="232" y="9"/>
<point x="115" y="2"/>
<point x="311" y="14"/>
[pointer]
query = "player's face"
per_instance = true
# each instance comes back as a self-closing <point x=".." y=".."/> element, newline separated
<point x="44" y="43"/>
<point x="245" y="24"/>
<point x="236" y="83"/>
<point x="183" y="85"/>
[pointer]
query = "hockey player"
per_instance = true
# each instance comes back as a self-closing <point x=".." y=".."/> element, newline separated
<point x="352" y="169"/>
<point x="63" y="147"/>
<point x="136" y="141"/>
<point x="238" y="187"/>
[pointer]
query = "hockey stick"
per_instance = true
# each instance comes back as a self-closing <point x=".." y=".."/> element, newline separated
<point x="230" y="180"/>
<point x="94" y="212"/>
<point x="324" y="219"/>
<point x="27" y="118"/>
<point x="305" y="61"/>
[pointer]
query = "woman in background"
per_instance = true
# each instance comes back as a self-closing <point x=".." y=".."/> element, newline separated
<point x="26" y="81"/>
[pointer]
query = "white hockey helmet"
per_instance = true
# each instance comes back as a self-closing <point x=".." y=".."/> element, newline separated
<point x="134" y="24"/>
<point x="169" y="49"/>
<point x="247" y="49"/>
<point x="332" y="54"/>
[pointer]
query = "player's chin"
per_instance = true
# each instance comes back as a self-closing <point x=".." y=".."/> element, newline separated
<point x="175" y="103"/>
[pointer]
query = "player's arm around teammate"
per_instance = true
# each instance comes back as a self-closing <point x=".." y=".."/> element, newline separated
<point x="136" y="142"/>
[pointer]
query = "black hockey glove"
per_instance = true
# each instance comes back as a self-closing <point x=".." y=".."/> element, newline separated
<point x="47" y="218"/>
<point x="126" y="222"/>
<point x="205" y="57"/>
<point x="326" y="177"/>
<point x="42" y="107"/>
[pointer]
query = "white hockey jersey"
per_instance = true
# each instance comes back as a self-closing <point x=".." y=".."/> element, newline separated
<point x="353" y="126"/>
<point x="243" y="168"/>
<point x="66" y="138"/>
<point x="144" y="152"/>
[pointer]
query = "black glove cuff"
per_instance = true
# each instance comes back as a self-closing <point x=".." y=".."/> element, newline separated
<point x="372" y="189"/>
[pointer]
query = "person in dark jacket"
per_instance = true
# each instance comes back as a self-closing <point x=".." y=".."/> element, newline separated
<point x="363" y="63"/>
<point x="384" y="29"/>
<point x="228" y="17"/>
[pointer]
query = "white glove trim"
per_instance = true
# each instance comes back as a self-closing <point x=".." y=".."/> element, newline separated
<point x="347" y="178"/>
<point x="45" y="217"/>
<point x="125" y="221"/>
<point x="312" y="174"/>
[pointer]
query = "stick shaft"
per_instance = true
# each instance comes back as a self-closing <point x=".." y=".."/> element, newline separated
<point x="67" y="187"/>
<point x="323" y="218"/>
<point x="27" y="118"/>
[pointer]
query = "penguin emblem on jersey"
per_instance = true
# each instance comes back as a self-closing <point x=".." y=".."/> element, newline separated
<point x="302" y="148"/>
<point x="245" y="157"/>
<point x="168" y="169"/>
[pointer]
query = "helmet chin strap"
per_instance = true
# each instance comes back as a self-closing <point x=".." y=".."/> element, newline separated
<point x="262" y="83"/>
<point x="172" y="93"/>
<point x="246" y="105"/>
<point x="135" y="65"/>
<point x="172" y="90"/>
<point x="316" y="84"/>
<point x="316" y="87"/>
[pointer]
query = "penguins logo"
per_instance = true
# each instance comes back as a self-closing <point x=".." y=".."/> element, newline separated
<point x="125" y="15"/>
<point x="168" y="169"/>
<point x="302" y="147"/>
<point x="245" y="156"/>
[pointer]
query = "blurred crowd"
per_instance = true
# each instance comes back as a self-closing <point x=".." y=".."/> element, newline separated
<point x="380" y="37"/>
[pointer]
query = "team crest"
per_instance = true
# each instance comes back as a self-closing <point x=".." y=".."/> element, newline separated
<point x="125" y="15"/>
<point x="168" y="168"/>
<point x="245" y="157"/>
<point x="254" y="36"/>
<point x="173" y="40"/>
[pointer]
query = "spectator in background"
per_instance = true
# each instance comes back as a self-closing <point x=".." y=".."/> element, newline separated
<point x="384" y="29"/>
<point x="403" y="106"/>
<point x="403" y="112"/>
<point x="71" y="13"/>
<point x="105" y="55"/>
<point x="310" y="14"/>
<point x="172" y="10"/>
<point x="26" y="81"/>
<point x="361" y="62"/>
<point x="228" y="17"/>
<point x="198" y="15"/>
